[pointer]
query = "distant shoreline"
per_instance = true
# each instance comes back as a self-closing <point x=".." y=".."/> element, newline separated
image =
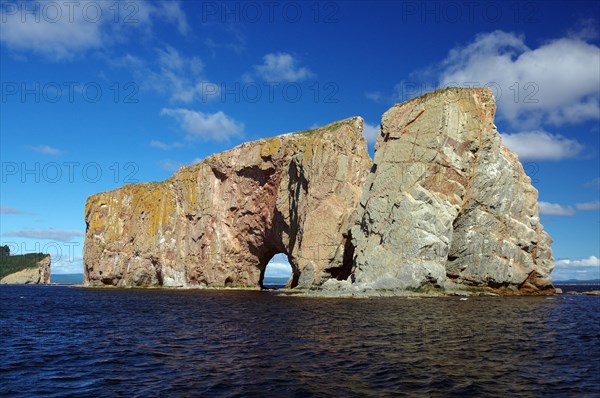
<point x="284" y="292"/>
<point x="277" y="286"/>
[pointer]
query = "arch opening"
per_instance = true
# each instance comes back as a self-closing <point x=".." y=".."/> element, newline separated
<point x="277" y="273"/>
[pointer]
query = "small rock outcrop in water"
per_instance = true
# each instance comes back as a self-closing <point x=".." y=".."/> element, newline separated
<point x="31" y="275"/>
<point x="444" y="205"/>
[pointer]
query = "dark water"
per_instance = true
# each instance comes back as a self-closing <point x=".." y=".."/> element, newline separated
<point x="578" y="287"/>
<point x="66" y="341"/>
<point x="274" y="283"/>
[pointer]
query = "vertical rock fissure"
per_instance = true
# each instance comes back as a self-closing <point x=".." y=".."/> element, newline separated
<point x="471" y="229"/>
<point x="443" y="204"/>
<point x="219" y="222"/>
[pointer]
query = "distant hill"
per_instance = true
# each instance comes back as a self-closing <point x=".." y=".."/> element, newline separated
<point x="11" y="264"/>
<point x="578" y="282"/>
<point x="67" y="279"/>
<point x="275" y="282"/>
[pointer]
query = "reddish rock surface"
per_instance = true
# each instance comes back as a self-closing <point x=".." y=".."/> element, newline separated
<point x="219" y="222"/>
<point x="445" y="206"/>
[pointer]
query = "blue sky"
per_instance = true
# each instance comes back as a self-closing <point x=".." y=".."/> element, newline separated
<point x="97" y="94"/>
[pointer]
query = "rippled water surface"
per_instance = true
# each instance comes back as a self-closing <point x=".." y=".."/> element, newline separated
<point x="61" y="341"/>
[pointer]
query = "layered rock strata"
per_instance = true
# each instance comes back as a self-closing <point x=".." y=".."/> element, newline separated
<point x="447" y="204"/>
<point x="444" y="206"/>
<point x="219" y="222"/>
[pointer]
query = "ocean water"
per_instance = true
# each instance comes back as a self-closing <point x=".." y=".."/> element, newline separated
<point x="578" y="287"/>
<point x="68" y="341"/>
<point x="67" y="279"/>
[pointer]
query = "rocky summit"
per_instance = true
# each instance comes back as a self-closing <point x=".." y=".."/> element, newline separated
<point x="447" y="205"/>
<point x="444" y="207"/>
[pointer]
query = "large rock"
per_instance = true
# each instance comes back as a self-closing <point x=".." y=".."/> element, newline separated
<point x="444" y="206"/>
<point x="219" y="222"/>
<point x="33" y="275"/>
<point x="447" y="204"/>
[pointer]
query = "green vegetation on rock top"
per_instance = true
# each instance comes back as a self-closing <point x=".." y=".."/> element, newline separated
<point x="329" y="127"/>
<point x="11" y="264"/>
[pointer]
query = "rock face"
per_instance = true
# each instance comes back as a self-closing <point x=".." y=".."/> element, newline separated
<point x="444" y="205"/>
<point x="219" y="222"/>
<point x="39" y="275"/>
<point x="447" y="204"/>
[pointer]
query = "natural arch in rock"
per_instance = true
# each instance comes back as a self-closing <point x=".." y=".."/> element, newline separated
<point x="441" y="181"/>
<point x="279" y="267"/>
<point x="219" y="222"/>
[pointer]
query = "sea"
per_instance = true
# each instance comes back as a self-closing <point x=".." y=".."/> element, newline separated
<point x="68" y="341"/>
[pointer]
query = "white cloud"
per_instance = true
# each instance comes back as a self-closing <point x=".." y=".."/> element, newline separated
<point x="580" y="273"/>
<point x="62" y="30"/>
<point x="591" y="261"/>
<point x="61" y="235"/>
<point x="588" y="206"/>
<point x="281" y="67"/>
<point x="164" y="146"/>
<point x="586" y="30"/>
<point x="50" y="30"/>
<point x="595" y="183"/>
<point x="64" y="264"/>
<point x="206" y="126"/>
<point x="12" y="210"/>
<point x="170" y="165"/>
<point x="554" y="209"/>
<point x="558" y="82"/>
<point x="178" y="75"/>
<point x="172" y="12"/>
<point x="224" y="36"/>
<point x="370" y="131"/>
<point x="46" y="150"/>
<point x="128" y="61"/>
<point x="278" y="270"/>
<point x="374" y="96"/>
<point x="174" y="165"/>
<point x="541" y="145"/>
<point x="173" y="74"/>
<point x="278" y="267"/>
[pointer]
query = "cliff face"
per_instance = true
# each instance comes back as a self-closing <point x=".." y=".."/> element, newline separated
<point x="445" y="205"/>
<point x="39" y="275"/>
<point x="219" y="222"/>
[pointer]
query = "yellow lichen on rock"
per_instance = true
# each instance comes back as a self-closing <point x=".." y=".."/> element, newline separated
<point x="220" y="221"/>
<point x="270" y="147"/>
<point x="444" y="205"/>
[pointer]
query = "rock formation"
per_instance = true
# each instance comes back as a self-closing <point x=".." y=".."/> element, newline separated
<point x="219" y="222"/>
<point x="447" y="204"/>
<point x="32" y="275"/>
<point x="444" y="206"/>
